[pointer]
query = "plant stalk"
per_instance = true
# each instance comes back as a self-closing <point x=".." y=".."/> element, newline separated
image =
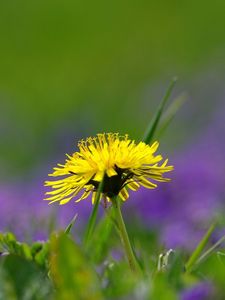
<point x="124" y="236"/>
<point x="93" y="217"/>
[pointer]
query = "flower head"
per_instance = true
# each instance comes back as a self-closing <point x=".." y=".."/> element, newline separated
<point x="115" y="159"/>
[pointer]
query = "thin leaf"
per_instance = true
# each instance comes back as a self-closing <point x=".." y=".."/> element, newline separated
<point x="69" y="227"/>
<point x="196" y="254"/>
<point x="171" y="112"/>
<point x="210" y="250"/>
<point x="93" y="217"/>
<point x="150" y="131"/>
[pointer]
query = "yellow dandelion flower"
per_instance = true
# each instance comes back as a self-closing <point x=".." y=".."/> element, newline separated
<point x="119" y="161"/>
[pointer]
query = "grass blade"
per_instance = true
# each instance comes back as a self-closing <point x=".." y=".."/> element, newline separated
<point x="150" y="131"/>
<point x="93" y="217"/>
<point x="198" y="250"/>
<point x="170" y="113"/>
<point x="69" y="227"/>
<point x="210" y="250"/>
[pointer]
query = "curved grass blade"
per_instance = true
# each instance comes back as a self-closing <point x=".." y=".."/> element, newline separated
<point x="69" y="227"/>
<point x="198" y="250"/>
<point x="150" y="131"/>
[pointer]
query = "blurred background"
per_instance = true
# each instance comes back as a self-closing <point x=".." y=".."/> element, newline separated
<point x="71" y="69"/>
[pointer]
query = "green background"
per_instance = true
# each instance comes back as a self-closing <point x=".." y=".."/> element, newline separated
<point x="70" y="69"/>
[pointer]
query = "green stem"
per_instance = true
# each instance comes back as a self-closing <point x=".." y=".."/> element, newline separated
<point x="124" y="236"/>
<point x="93" y="217"/>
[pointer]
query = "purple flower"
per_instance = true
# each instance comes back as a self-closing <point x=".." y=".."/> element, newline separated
<point x="24" y="212"/>
<point x="201" y="291"/>
<point x="182" y="210"/>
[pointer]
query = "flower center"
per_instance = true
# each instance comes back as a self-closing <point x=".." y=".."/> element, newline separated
<point x="113" y="185"/>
